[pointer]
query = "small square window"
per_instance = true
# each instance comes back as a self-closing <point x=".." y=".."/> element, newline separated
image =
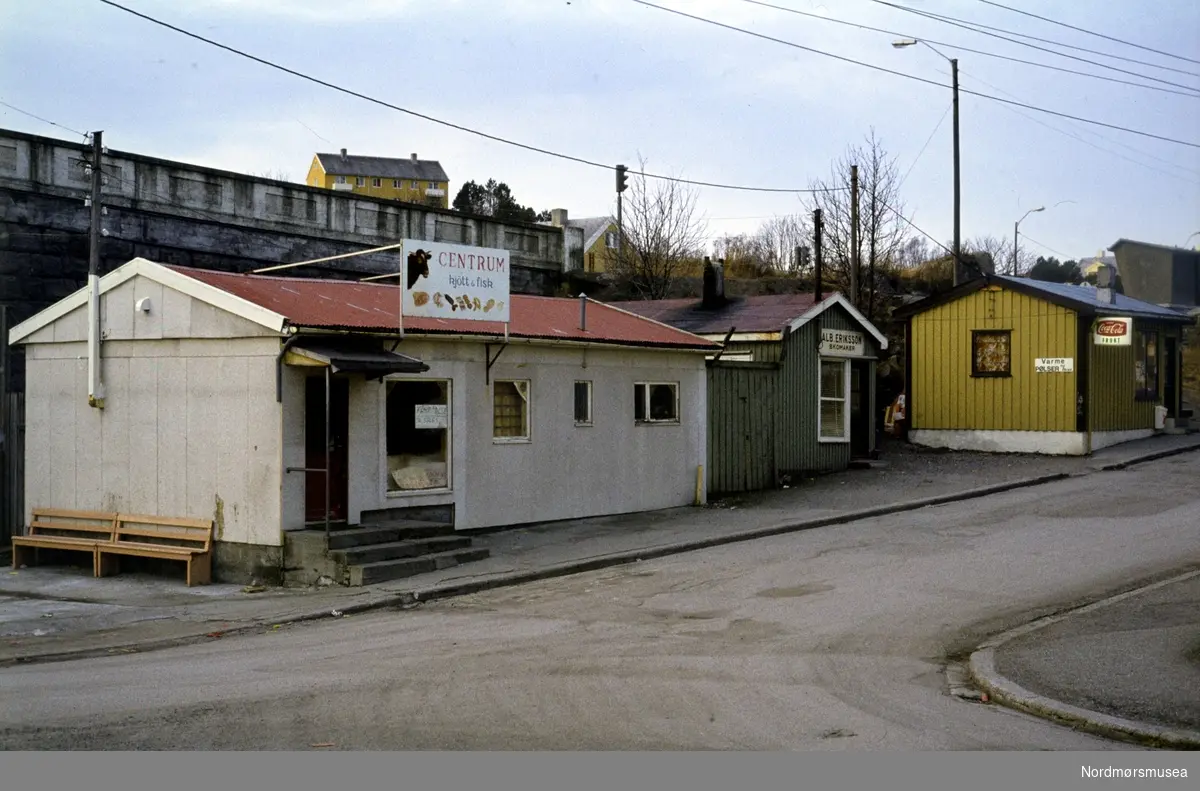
<point x="583" y="403"/>
<point x="361" y="181"/>
<point x="656" y="402"/>
<point x="415" y="184"/>
<point x="991" y="352"/>
<point x="510" y="410"/>
<point x="339" y="179"/>
<point x="396" y="183"/>
<point x="376" y="182"/>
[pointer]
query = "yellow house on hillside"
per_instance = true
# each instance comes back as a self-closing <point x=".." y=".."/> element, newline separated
<point x="412" y="180"/>
<point x="599" y="242"/>
<point x="1009" y="364"/>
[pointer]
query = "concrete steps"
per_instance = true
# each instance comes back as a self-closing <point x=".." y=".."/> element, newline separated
<point x="385" y="570"/>
<point x="396" y="550"/>
<point x="387" y="532"/>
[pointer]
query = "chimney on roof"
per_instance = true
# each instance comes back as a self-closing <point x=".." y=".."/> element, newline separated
<point x="583" y="312"/>
<point x="1105" y="283"/>
<point x="714" y="284"/>
<point x="414" y="157"/>
<point x="558" y="218"/>
<point x="343" y="153"/>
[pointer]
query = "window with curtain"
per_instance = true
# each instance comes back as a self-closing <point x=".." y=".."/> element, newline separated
<point x="510" y="409"/>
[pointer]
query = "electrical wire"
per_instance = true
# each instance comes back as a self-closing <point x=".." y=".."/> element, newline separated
<point x="1045" y="246"/>
<point x="43" y="120"/>
<point x="1171" y="173"/>
<point x="906" y="75"/>
<point x="1089" y="32"/>
<point x="983" y="30"/>
<point x="1191" y="92"/>
<point x="414" y="113"/>
<point x="927" y="142"/>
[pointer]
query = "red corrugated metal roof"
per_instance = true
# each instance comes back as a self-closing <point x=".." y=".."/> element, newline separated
<point x="762" y="313"/>
<point x="375" y="307"/>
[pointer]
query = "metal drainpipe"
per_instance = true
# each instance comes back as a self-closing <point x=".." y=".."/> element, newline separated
<point x="279" y="367"/>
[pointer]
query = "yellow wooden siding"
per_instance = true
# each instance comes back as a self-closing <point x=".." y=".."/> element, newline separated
<point x="946" y="396"/>
<point x="316" y="174"/>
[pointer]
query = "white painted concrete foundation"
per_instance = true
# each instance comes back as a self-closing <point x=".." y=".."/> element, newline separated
<point x="1054" y="443"/>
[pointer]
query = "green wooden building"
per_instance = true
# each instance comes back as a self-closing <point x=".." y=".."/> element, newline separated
<point x="792" y="391"/>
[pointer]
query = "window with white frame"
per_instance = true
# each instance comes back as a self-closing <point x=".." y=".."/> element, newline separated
<point x="360" y="181"/>
<point x="833" y="409"/>
<point x="417" y="434"/>
<point x="656" y="402"/>
<point x="415" y="184"/>
<point x="510" y="410"/>
<point x="376" y="182"/>
<point x="339" y="179"/>
<point x="396" y="183"/>
<point x="583" y="403"/>
<point x="610" y="240"/>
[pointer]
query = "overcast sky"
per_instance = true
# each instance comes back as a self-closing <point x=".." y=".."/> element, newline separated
<point x="609" y="80"/>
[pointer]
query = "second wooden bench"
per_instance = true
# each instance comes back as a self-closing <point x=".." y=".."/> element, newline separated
<point x="162" y="537"/>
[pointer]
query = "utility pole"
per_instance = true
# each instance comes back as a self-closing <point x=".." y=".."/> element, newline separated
<point x="818" y="231"/>
<point x="95" y="388"/>
<point x="854" y="235"/>
<point x="957" y="192"/>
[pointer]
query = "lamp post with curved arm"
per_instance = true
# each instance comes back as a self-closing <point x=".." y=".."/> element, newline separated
<point x="1016" y="236"/>
<point x="957" y="192"/>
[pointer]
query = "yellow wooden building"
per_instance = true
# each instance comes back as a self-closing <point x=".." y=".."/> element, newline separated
<point x="1010" y="364"/>
<point x="411" y="180"/>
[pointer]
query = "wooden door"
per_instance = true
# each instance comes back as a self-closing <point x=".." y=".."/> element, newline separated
<point x="314" y="448"/>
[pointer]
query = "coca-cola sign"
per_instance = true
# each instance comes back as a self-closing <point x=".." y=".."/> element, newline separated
<point x="1113" y="331"/>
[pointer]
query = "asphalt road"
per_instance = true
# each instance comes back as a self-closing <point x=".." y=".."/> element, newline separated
<point x="832" y="639"/>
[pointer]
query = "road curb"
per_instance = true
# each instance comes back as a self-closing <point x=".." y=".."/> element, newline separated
<point x="1162" y="454"/>
<point x="982" y="668"/>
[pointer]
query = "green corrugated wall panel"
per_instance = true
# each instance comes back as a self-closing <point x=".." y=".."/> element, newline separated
<point x="741" y="412"/>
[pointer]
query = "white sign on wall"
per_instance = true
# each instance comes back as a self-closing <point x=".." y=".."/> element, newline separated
<point x="453" y="281"/>
<point x="841" y="343"/>
<point x="431" y="416"/>
<point x="1116" y="331"/>
<point x="1054" y="365"/>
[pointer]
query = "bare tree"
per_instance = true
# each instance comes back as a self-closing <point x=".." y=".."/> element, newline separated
<point x="743" y="254"/>
<point x="778" y="239"/>
<point x="882" y="229"/>
<point x="915" y="251"/>
<point x="274" y="175"/>
<point x="661" y="232"/>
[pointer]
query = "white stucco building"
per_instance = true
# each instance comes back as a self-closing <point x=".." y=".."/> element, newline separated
<point x="214" y="405"/>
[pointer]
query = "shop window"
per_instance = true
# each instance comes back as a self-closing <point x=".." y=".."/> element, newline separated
<point x="656" y="402"/>
<point x="417" y="428"/>
<point x="510" y="410"/>
<point x="991" y="353"/>
<point x="583" y="403"/>
<point x="1145" y="366"/>
<point x="833" y="414"/>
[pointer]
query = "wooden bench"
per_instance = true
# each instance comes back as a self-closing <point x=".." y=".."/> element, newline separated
<point x="66" y="529"/>
<point x="162" y="537"/>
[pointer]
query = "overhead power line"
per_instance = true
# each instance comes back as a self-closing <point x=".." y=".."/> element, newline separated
<point x="459" y="127"/>
<point x="43" y="120"/>
<point x="886" y="70"/>
<point x="1193" y="93"/>
<point x="978" y="29"/>
<point x="1089" y="32"/>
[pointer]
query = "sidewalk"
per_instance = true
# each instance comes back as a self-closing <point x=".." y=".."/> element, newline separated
<point x="52" y="613"/>
<point x="1126" y="667"/>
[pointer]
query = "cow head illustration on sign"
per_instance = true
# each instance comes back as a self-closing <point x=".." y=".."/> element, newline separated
<point x="418" y="266"/>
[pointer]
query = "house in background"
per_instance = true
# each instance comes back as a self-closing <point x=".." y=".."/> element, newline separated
<point x="792" y="390"/>
<point x="229" y="396"/>
<point x="1089" y="266"/>
<point x="411" y="180"/>
<point x="1164" y="275"/>
<point x="1008" y="364"/>
<point x="599" y="243"/>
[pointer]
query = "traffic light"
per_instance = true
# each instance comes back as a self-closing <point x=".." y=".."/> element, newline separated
<point x="622" y="179"/>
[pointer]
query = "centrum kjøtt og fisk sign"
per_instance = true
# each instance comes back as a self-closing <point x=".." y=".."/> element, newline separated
<point x="452" y="281"/>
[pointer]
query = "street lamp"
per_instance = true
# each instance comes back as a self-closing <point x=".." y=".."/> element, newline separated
<point x="1016" y="227"/>
<point x="909" y="42"/>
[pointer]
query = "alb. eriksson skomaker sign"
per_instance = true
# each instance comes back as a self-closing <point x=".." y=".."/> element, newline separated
<point x="452" y="281"/>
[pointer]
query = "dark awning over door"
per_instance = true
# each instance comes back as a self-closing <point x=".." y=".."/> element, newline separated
<point x="354" y="356"/>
